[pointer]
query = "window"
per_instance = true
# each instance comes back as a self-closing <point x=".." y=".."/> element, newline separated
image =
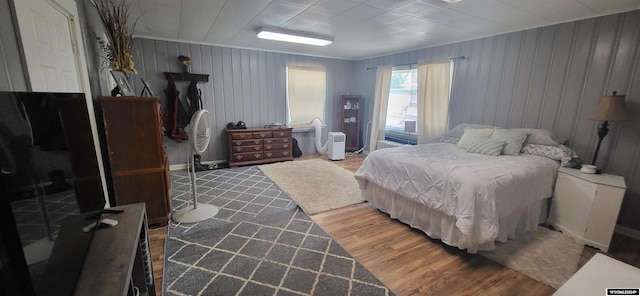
<point x="402" y="107"/>
<point x="306" y="93"/>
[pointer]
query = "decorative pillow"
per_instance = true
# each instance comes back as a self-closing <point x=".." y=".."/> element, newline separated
<point x="472" y="134"/>
<point x="458" y="131"/>
<point x="445" y="139"/>
<point x="541" y="137"/>
<point x="514" y="139"/>
<point x="486" y="146"/>
<point x="564" y="154"/>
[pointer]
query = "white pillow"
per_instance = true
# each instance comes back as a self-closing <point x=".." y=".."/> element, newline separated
<point x="471" y="134"/>
<point x="486" y="146"/>
<point x="513" y="138"/>
<point x="541" y="137"/>
<point x="457" y="131"/>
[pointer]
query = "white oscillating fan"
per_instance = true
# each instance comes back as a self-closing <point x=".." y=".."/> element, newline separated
<point x="199" y="132"/>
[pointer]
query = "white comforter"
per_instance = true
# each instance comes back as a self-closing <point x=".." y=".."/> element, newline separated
<point x="475" y="189"/>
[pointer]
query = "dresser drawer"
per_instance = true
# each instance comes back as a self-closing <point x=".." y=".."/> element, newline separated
<point x="242" y="149"/>
<point x="277" y="141"/>
<point x="276" y="154"/>
<point x="281" y="146"/>
<point x="251" y="142"/>
<point x="261" y="135"/>
<point x="285" y="133"/>
<point x="247" y="156"/>
<point x="241" y="136"/>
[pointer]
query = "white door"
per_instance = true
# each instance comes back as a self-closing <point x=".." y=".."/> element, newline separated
<point x="46" y="30"/>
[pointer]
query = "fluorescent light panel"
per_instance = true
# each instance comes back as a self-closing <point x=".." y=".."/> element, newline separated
<point x="279" y="34"/>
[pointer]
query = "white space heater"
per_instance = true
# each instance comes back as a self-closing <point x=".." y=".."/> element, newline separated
<point x="336" y="145"/>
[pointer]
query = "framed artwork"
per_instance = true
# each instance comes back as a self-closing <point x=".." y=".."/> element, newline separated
<point x="123" y="83"/>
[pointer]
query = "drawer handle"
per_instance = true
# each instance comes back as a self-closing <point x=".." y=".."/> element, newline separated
<point x="285" y="152"/>
<point x="238" y="157"/>
<point x="238" y="143"/>
<point x="269" y="154"/>
<point x="285" y="145"/>
<point x="268" y="141"/>
<point x="257" y="141"/>
<point x="238" y="149"/>
<point x="268" y="146"/>
<point x="256" y="148"/>
<point x="285" y="140"/>
<point x="257" y="155"/>
<point x="242" y="136"/>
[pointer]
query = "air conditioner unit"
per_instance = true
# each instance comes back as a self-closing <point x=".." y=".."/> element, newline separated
<point x="336" y="145"/>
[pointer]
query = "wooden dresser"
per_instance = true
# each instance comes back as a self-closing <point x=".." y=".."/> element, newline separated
<point x="137" y="160"/>
<point x="259" y="145"/>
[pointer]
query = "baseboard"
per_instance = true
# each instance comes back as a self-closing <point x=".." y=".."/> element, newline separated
<point x="628" y="232"/>
<point x="183" y="166"/>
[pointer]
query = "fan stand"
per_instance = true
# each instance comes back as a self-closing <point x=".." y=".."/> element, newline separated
<point x="198" y="211"/>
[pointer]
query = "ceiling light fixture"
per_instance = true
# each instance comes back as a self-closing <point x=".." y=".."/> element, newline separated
<point x="280" y="34"/>
<point x="451" y="1"/>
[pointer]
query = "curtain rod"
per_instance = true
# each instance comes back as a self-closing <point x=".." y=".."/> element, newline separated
<point x="454" y="58"/>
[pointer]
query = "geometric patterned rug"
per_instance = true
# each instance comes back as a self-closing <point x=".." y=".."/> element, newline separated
<point x="260" y="244"/>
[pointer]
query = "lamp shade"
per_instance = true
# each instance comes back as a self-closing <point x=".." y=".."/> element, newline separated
<point x="611" y="108"/>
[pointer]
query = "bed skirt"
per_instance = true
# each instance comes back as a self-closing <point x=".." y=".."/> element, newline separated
<point x="438" y="225"/>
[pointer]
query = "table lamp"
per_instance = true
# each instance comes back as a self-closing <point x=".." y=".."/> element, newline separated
<point x="610" y="108"/>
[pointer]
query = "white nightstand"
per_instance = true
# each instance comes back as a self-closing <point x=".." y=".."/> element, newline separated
<point x="586" y="206"/>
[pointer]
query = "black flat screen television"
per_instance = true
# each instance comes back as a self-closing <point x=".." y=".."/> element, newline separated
<point x="50" y="189"/>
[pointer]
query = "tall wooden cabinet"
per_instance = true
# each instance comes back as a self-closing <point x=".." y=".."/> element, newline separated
<point x="351" y="121"/>
<point x="136" y="151"/>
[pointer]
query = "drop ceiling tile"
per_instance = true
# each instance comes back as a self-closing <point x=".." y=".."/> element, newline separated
<point x="611" y="6"/>
<point x="197" y="17"/>
<point x="417" y="8"/>
<point x="301" y="3"/>
<point x="355" y="15"/>
<point x="495" y="11"/>
<point x="165" y="22"/>
<point x="333" y="6"/>
<point x="276" y="14"/>
<point x="552" y="10"/>
<point x="388" y="4"/>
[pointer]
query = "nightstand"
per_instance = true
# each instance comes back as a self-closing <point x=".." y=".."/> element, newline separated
<point x="586" y="206"/>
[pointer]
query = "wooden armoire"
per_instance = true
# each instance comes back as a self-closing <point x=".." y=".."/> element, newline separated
<point x="137" y="160"/>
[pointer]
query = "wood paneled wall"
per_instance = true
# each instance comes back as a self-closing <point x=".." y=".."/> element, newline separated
<point x="247" y="85"/>
<point x="550" y="78"/>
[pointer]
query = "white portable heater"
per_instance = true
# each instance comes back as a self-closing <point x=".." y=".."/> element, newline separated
<point x="336" y="145"/>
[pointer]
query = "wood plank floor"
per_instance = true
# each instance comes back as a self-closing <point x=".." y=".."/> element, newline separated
<point x="409" y="262"/>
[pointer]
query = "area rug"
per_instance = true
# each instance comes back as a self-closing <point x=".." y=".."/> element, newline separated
<point x="284" y="253"/>
<point x="315" y="185"/>
<point x="545" y="255"/>
<point x="240" y="194"/>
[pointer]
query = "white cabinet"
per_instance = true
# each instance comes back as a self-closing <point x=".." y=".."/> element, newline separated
<point x="586" y="206"/>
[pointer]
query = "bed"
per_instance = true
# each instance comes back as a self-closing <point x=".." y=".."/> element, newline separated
<point x="467" y="200"/>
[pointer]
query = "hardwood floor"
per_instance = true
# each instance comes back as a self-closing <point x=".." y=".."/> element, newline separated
<point x="409" y="262"/>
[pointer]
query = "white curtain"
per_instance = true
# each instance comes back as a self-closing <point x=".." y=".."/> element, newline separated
<point x="383" y="83"/>
<point x="434" y="89"/>
<point x="306" y="93"/>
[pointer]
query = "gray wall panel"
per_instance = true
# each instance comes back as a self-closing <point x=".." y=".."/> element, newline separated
<point x="244" y="84"/>
<point x="551" y="78"/>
